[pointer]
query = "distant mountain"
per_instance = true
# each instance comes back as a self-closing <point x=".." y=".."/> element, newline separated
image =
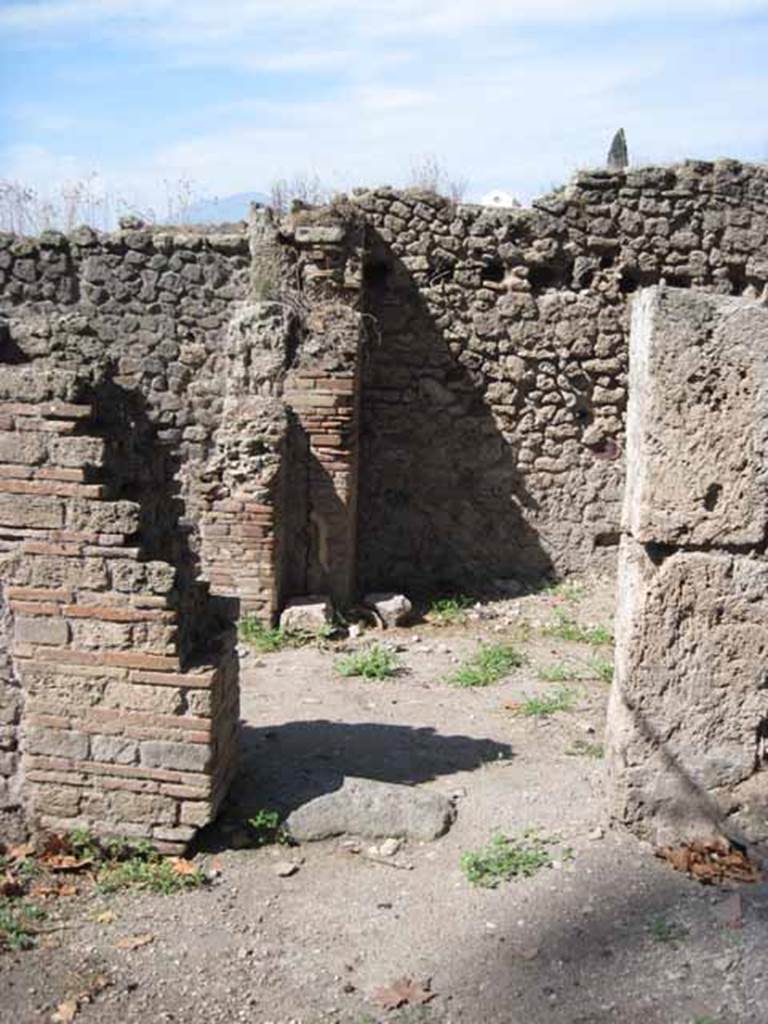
<point x="223" y="210"/>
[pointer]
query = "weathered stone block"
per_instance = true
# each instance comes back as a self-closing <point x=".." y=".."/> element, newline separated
<point x="320" y="234"/>
<point x="392" y="609"/>
<point x="143" y="807"/>
<point x="40" y="512"/>
<point x="103" y="516"/>
<point x="114" y="749"/>
<point x="689" y="696"/>
<point x="41" y="630"/>
<point x="190" y="757"/>
<point x="77" y="452"/>
<point x="365" y="807"/>
<point x="55" y="743"/>
<point x="306" y="614"/>
<point x="63" y="801"/>
<point x="197" y="812"/>
<point x="22" y="448"/>
<point x="161" y="700"/>
<point x="697" y="428"/>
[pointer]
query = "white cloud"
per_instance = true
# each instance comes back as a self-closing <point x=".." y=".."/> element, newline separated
<point x="375" y="85"/>
<point x="198" y="20"/>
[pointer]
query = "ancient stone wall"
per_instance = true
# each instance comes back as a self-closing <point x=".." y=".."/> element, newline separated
<point x="172" y="431"/>
<point x="391" y="391"/>
<point x="688" y="718"/>
<point x="494" y="385"/>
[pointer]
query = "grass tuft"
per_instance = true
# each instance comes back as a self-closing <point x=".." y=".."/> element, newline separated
<point x="568" y="590"/>
<point x="602" y="669"/>
<point x="489" y="664"/>
<point x="268" y="639"/>
<point x="18" y="920"/>
<point x="542" y="707"/>
<point x="560" y="672"/>
<point x="565" y="627"/>
<point x="138" y="865"/>
<point x="583" y="748"/>
<point x="664" y="930"/>
<point x="374" y="662"/>
<point x="505" y="858"/>
<point x="450" y="611"/>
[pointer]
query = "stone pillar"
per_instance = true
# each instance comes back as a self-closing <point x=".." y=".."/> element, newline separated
<point x="688" y="716"/>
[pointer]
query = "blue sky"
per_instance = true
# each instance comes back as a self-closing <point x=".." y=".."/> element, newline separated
<point x="232" y="94"/>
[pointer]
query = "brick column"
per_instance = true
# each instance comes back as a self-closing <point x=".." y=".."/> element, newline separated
<point x="120" y="731"/>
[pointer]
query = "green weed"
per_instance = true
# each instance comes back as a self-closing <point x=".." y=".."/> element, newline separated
<point x="569" y="590"/>
<point x="150" y="873"/>
<point x="268" y="639"/>
<point x="664" y="930"/>
<point x="265" y="828"/>
<point x="450" y="611"/>
<point x="602" y="669"/>
<point x="489" y="664"/>
<point x="374" y="662"/>
<point x="132" y="864"/>
<point x="559" y="673"/>
<point x="506" y="858"/>
<point x="17" y="923"/>
<point x="583" y="748"/>
<point x="566" y="628"/>
<point x="543" y="707"/>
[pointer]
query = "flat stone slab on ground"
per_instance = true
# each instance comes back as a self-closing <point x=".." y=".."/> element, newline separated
<point x="364" y="807"/>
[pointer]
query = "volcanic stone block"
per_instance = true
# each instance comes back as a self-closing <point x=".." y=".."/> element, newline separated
<point x="41" y="630"/>
<point x="31" y="511"/>
<point x="688" y="716"/>
<point x="365" y="807"/>
<point x="697" y="428"/>
<point x="189" y="757"/>
<point x="686" y="709"/>
<point x="22" y="448"/>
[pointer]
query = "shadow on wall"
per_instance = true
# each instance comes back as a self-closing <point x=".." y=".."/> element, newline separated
<point x="315" y="555"/>
<point x="688" y="810"/>
<point x="139" y="467"/>
<point x="284" y="766"/>
<point x="442" y="503"/>
<point x="10" y="352"/>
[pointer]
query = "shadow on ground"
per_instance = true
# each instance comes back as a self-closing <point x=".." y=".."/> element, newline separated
<point x="284" y="766"/>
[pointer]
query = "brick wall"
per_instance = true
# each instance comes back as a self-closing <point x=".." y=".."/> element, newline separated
<point x="122" y="728"/>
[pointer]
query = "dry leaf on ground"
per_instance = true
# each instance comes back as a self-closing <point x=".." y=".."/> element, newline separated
<point x="135" y="941"/>
<point x="105" y="917"/>
<point x="64" y="862"/>
<point x="21" y="852"/>
<point x="182" y="866"/>
<point x="711" y="861"/>
<point x="65" y="1012"/>
<point x="403" y="992"/>
<point x="47" y="890"/>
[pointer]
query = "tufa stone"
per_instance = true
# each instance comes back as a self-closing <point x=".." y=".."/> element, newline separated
<point x="306" y="614"/>
<point x="392" y="609"/>
<point x="364" y="807"/>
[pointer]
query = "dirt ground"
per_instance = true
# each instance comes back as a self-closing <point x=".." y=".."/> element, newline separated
<point x="608" y="933"/>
